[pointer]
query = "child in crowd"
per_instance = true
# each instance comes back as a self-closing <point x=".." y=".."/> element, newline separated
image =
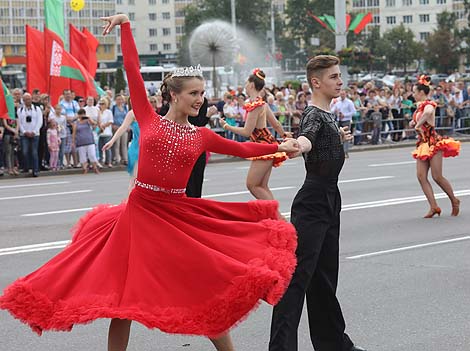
<point x="53" y="143"/>
<point x="376" y="117"/>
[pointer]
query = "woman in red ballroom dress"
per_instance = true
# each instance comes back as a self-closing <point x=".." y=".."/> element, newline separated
<point x="431" y="148"/>
<point x="183" y="265"/>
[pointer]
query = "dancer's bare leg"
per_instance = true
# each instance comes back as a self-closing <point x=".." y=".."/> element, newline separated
<point x="256" y="180"/>
<point x="223" y="343"/>
<point x="118" y="337"/>
<point x="422" y="169"/>
<point x="436" y="172"/>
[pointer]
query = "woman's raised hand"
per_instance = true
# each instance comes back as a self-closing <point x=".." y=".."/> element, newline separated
<point x="113" y="21"/>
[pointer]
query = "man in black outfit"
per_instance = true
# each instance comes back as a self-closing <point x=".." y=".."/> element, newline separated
<point x="194" y="186"/>
<point x="315" y="214"/>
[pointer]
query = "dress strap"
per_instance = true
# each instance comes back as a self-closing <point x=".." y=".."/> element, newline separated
<point x="250" y="106"/>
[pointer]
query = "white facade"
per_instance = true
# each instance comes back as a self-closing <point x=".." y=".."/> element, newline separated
<point x="157" y="27"/>
<point x="418" y="15"/>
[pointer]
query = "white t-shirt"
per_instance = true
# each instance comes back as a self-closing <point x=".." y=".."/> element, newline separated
<point x="93" y="112"/>
<point x="106" y="117"/>
<point x="61" y="123"/>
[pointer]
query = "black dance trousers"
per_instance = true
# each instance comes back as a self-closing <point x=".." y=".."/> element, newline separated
<point x="194" y="186"/>
<point x="315" y="214"/>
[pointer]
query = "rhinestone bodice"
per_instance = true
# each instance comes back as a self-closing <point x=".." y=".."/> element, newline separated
<point x="168" y="150"/>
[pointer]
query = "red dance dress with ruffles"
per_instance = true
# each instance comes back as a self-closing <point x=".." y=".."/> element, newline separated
<point x="182" y="265"/>
<point x="429" y="141"/>
<point x="264" y="136"/>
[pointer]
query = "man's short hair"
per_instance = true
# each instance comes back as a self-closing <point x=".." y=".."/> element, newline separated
<point x="318" y="64"/>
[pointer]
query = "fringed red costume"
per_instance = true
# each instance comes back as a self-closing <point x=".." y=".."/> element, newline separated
<point x="430" y="142"/>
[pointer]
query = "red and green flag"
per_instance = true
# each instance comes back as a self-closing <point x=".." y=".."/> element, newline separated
<point x="36" y="75"/>
<point x="54" y="15"/>
<point x="360" y="22"/>
<point x="7" y="104"/>
<point x="64" y="65"/>
<point x="93" y="44"/>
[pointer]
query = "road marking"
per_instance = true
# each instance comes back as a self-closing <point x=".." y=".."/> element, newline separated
<point x="392" y="202"/>
<point x="245" y="192"/>
<point x="391" y="164"/>
<point x="34" y="248"/>
<point x="56" y="212"/>
<point x="406" y="248"/>
<point x="43" y="195"/>
<point x="283" y="166"/>
<point x="33" y="184"/>
<point x="365" y="179"/>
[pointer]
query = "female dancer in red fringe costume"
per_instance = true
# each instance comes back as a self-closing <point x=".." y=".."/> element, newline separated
<point x="431" y="148"/>
<point x="258" y="113"/>
<point x="183" y="265"/>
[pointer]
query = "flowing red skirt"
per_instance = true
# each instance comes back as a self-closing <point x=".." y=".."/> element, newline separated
<point x="182" y="265"/>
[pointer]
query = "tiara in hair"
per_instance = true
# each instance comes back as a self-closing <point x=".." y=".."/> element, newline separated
<point x="188" y="71"/>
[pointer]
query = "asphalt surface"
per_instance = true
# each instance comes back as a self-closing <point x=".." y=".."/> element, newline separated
<point x="404" y="281"/>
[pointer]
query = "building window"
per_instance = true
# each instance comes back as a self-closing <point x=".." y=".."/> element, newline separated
<point x="166" y="31"/>
<point x="441" y="2"/>
<point x="131" y="2"/>
<point x="424" y="35"/>
<point x="373" y="3"/>
<point x="4" y="12"/>
<point x="119" y="50"/>
<point x="166" y="15"/>
<point x="152" y="16"/>
<point x="408" y="19"/>
<point x="165" y="2"/>
<point x="153" y="47"/>
<point x="108" y="48"/>
<point x="179" y="29"/>
<point x="376" y="19"/>
<point x="18" y="30"/>
<point x="132" y="16"/>
<point x="391" y="20"/>
<point x="153" y="32"/>
<point x="4" y="30"/>
<point x="166" y="46"/>
<point x="152" y="2"/>
<point x="359" y="3"/>
<point x="179" y="13"/>
<point x="390" y="3"/>
<point x="424" y="18"/>
<point x="407" y="2"/>
<point x="178" y="45"/>
<point x="424" y="2"/>
<point x="119" y="2"/>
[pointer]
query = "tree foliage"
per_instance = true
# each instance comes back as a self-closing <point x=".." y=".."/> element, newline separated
<point x="443" y="45"/>
<point x="120" y="81"/>
<point x="401" y="48"/>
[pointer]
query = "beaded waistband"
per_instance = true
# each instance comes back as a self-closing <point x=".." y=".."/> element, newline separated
<point x="159" y="188"/>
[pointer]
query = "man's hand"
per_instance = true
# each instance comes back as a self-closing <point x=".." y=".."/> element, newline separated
<point x="113" y="21"/>
<point x="289" y="146"/>
<point x="345" y="134"/>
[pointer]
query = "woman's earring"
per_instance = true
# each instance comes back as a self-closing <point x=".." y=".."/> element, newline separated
<point x="176" y="101"/>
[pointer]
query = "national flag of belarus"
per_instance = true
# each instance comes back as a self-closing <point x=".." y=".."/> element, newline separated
<point x="7" y="105"/>
<point x="65" y="65"/>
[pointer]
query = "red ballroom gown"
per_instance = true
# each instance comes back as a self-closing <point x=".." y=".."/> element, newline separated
<point x="182" y="265"/>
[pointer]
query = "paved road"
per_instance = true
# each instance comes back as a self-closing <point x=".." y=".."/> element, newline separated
<point x="404" y="281"/>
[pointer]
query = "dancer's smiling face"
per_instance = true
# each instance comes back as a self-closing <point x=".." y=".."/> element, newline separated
<point x="191" y="97"/>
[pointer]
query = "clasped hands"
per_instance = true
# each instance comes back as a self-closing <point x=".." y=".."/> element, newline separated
<point x="291" y="147"/>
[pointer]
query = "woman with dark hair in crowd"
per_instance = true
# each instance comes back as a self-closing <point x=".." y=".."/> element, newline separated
<point x="258" y="115"/>
<point x="431" y="148"/>
<point x="183" y="265"/>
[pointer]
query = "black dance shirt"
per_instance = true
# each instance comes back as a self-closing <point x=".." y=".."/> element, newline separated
<point x="326" y="157"/>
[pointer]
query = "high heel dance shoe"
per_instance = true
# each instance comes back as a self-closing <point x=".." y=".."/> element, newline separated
<point x="432" y="212"/>
<point x="455" y="208"/>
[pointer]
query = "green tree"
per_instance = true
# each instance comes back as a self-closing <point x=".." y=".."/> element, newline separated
<point x="443" y="45"/>
<point x="103" y="80"/>
<point x="401" y="48"/>
<point x="120" y="81"/>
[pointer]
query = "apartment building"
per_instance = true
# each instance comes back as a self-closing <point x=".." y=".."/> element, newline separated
<point x="15" y="14"/>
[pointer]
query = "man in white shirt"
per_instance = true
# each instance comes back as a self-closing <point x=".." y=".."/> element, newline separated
<point x="30" y="123"/>
<point x="344" y="109"/>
